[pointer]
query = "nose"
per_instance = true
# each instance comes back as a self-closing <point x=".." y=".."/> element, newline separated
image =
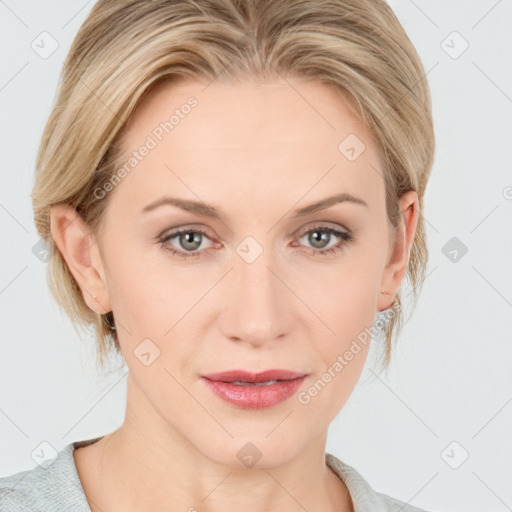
<point x="258" y="307"/>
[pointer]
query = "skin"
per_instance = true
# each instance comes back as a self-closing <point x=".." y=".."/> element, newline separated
<point x="256" y="151"/>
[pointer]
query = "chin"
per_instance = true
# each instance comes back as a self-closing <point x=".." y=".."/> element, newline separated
<point x="251" y="452"/>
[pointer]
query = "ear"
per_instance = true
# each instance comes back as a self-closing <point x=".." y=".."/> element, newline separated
<point x="396" y="268"/>
<point x="81" y="254"/>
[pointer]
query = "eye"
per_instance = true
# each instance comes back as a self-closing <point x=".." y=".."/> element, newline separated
<point x="189" y="239"/>
<point x="320" y="236"/>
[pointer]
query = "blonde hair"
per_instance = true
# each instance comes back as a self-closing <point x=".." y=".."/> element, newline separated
<point x="125" y="47"/>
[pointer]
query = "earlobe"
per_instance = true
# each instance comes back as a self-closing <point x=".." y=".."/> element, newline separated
<point x="76" y="247"/>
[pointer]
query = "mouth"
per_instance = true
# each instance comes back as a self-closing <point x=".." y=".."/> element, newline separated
<point x="246" y="377"/>
<point x="266" y="383"/>
<point x="249" y="390"/>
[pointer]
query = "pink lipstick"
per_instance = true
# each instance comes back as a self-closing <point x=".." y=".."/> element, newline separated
<point x="249" y="390"/>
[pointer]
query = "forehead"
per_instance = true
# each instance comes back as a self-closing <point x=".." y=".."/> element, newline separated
<point x="248" y="139"/>
<point x="248" y="113"/>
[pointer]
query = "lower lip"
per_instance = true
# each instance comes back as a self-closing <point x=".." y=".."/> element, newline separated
<point x="255" y="397"/>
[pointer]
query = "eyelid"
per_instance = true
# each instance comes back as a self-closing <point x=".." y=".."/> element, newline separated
<point x="186" y="227"/>
<point x="321" y="224"/>
<point x="169" y="234"/>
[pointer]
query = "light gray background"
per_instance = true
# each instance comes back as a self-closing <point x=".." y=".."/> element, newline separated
<point x="451" y="379"/>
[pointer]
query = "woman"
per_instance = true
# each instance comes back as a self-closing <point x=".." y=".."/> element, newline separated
<point x="231" y="190"/>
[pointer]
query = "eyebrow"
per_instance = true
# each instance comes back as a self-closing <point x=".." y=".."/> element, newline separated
<point x="210" y="211"/>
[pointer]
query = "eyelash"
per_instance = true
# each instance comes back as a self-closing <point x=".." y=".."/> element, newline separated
<point x="346" y="238"/>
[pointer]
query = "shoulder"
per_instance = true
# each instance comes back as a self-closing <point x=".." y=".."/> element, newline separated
<point x="364" y="497"/>
<point x="52" y="488"/>
<point x="23" y="490"/>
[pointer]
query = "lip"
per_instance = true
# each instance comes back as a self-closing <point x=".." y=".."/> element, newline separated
<point x="254" y="396"/>
<point x="245" y="376"/>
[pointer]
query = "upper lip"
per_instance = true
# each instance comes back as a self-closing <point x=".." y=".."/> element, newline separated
<point x="244" y="376"/>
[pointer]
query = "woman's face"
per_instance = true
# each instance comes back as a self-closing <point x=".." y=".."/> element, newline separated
<point x="259" y="282"/>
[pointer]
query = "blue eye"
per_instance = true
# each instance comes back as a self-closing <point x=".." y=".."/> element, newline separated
<point x="193" y="238"/>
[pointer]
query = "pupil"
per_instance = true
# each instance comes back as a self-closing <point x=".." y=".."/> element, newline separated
<point x="319" y="236"/>
<point x="191" y="238"/>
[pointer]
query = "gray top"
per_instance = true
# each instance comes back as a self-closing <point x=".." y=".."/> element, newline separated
<point x="56" y="487"/>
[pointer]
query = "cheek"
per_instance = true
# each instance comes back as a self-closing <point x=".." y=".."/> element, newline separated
<point x="346" y="305"/>
<point x="146" y="292"/>
<point x="158" y="304"/>
<point x="133" y="290"/>
<point x="339" y="363"/>
<point x="342" y="295"/>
